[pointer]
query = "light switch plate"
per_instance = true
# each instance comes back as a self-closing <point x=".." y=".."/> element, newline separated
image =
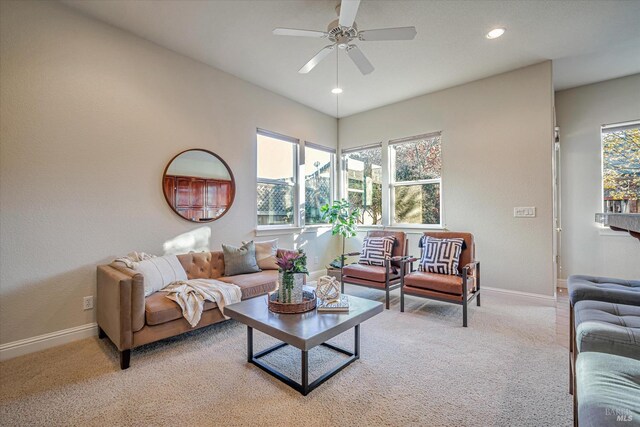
<point x="524" y="212"/>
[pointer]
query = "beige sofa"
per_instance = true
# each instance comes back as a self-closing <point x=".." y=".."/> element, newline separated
<point x="131" y="320"/>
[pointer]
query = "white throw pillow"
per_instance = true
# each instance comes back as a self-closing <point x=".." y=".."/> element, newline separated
<point x="159" y="272"/>
<point x="266" y="254"/>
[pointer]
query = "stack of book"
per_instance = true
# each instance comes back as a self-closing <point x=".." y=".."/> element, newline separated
<point x="334" y="306"/>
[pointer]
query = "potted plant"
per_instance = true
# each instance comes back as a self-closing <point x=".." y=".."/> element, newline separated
<point x="293" y="267"/>
<point x="343" y="220"/>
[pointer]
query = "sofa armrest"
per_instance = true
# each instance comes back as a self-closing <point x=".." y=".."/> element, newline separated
<point x="120" y="304"/>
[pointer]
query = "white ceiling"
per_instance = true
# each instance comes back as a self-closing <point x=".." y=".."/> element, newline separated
<point x="588" y="41"/>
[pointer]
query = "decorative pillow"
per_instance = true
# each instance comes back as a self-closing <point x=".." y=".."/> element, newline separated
<point x="158" y="272"/>
<point x="440" y="256"/>
<point x="240" y="260"/>
<point x="375" y="250"/>
<point x="266" y="254"/>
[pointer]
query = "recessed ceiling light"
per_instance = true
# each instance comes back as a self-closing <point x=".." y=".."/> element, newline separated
<point x="336" y="90"/>
<point x="495" y="33"/>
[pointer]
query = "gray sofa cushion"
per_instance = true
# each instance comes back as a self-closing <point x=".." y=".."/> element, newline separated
<point x="608" y="390"/>
<point x="608" y="328"/>
<point x="607" y="289"/>
<point x="240" y="260"/>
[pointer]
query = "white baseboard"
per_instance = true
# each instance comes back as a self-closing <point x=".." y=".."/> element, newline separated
<point x="562" y="283"/>
<point x="42" y="342"/>
<point x="540" y="299"/>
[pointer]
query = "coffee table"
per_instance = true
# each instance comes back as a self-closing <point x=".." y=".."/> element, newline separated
<point x="304" y="331"/>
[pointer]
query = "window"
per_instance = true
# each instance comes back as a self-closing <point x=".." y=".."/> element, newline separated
<point x="621" y="167"/>
<point x="318" y="181"/>
<point x="363" y="181"/>
<point x="277" y="172"/>
<point x="415" y="177"/>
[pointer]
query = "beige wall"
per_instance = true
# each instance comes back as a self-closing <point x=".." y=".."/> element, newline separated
<point x="90" y="115"/>
<point x="586" y="248"/>
<point x="496" y="152"/>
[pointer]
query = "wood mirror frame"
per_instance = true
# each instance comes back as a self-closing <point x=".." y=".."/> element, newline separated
<point x="199" y="195"/>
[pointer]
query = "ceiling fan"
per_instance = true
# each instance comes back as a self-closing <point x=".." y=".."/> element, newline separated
<point x="342" y="32"/>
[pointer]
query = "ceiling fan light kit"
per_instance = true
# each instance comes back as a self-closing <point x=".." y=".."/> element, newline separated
<point x="342" y="32"/>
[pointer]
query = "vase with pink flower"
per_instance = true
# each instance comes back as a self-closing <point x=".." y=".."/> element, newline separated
<point x="292" y="268"/>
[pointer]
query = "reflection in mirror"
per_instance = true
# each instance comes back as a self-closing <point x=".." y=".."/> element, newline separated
<point x="198" y="185"/>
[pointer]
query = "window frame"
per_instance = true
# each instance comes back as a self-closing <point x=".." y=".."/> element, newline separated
<point x="296" y="177"/>
<point x="332" y="181"/>
<point x="345" y="179"/>
<point x="393" y="183"/>
<point x="609" y="128"/>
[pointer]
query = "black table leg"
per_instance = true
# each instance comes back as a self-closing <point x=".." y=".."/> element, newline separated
<point x="356" y="344"/>
<point x="303" y="387"/>
<point x="249" y="344"/>
<point x="305" y="372"/>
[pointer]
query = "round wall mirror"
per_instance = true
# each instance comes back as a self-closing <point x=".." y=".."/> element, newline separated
<point x="198" y="185"/>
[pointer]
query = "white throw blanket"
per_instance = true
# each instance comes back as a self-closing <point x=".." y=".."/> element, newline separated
<point x="191" y="295"/>
<point x="133" y="258"/>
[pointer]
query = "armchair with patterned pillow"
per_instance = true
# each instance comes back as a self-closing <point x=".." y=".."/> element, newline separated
<point x="381" y="262"/>
<point x="448" y="271"/>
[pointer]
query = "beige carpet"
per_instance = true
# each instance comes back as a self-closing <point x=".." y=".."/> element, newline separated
<point x="417" y="368"/>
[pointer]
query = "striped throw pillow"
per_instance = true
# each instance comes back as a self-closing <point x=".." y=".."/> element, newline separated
<point x="375" y="250"/>
<point x="440" y="256"/>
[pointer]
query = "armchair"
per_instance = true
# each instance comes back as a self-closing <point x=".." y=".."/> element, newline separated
<point x="459" y="289"/>
<point x="387" y="277"/>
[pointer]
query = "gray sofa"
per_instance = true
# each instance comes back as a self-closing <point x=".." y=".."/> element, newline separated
<point x="605" y="350"/>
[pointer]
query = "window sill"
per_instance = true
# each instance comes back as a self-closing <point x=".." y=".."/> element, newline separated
<point x="415" y="227"/>
<point x="277" y="230"/>
<point x="286" y="230"/>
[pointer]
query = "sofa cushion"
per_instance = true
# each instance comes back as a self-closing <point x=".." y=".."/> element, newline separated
<point x="158" y="272"/>
<point x="608" y="390"/>
<point x="159" y="309"/>
<point x="607" y="289"/>
<point x="608" y="328"/>
<point x="254" y="284"/>
<point x="437" y="282"/>
<point x="266" y="254"/>
<point x="373" y="273"/>
<point x="240" y="260"/>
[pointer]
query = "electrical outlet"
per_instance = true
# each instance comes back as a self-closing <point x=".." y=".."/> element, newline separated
<point x="524" y="212"/>
<point x="87" y="302"/>
<point x="316" y="260"/>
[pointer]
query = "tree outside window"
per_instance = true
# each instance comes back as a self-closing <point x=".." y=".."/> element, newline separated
<point x="318" y="182"/>
<point x="416" y="168"/>
<point x="621" y="168"/>
<point x="363" y="170"/>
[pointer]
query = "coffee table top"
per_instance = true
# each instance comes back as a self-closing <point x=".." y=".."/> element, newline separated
<point x="304" y="330"/>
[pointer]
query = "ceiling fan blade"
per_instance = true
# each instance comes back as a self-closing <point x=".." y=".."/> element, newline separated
<point x="348" y="11"/>
<point x="316" y="59"/>
<point x="359" y="59"/>
<point x="299" y="33"/>
<point x="401" y="33"/>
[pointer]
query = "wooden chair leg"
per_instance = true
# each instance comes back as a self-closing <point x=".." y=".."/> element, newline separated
<point x="101" y="333"/>
<point x="478" y="299"/>
<point x="125" y="359"/>
<point x="401" y="299"/>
